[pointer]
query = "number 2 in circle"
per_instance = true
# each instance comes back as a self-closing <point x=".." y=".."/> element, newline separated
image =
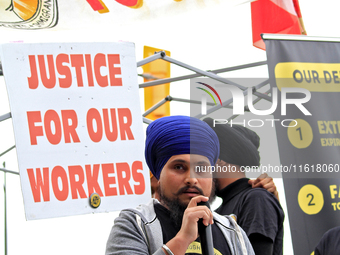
<point x="312" y="197"/>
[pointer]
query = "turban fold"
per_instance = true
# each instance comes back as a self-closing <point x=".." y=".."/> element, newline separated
<point x="175" y="135"/>
<point x="238" y="144"/>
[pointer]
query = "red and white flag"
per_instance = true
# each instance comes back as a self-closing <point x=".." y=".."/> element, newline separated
<point x="275" y="17"/>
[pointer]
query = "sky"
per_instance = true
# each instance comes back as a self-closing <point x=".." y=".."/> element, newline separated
<point x="205" y="34"/>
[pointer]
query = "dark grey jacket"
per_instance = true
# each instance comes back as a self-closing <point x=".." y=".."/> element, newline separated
<point x="138" y="231"/>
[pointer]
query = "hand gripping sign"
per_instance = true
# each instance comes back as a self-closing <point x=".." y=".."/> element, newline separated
<point x="77" y="125"/>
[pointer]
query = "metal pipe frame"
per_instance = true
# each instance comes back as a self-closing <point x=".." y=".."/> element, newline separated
<point x="3" y="153"/>
<point x="217" y="107"/>
<point x="194" y="102"/>
<point x="5" y="116"/>
<point x="204" y="73"/>
<point x="254" y="102"/>
<point x="148" y="76"/>
<point x="159" y="104"/>
<point x="191" y="76"/>
<point x="154" y="57"/>
<point x="211" y="75"/>
<point x="261" y="95"/>
<point x="9" y="171"/>
<point x="230" y="100"/>
<point x="299" y="38"/>
<point x="146" y="120"/>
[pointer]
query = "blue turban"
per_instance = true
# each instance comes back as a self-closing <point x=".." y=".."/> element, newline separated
<point x="175" y="135"/>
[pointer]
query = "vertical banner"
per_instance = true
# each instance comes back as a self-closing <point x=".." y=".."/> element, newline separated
<point x="305" y="75"/>
<point x="78" y="127"/>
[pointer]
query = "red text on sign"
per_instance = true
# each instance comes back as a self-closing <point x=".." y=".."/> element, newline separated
<point x="95" y="123"/>
<point x="111" y="122"/>
<point x="51" y="70"/>
<point x="54" y="126"/>
<point x="79" y="183"/>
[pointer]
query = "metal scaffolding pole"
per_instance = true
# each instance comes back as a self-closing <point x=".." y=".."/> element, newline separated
<point x="204" y="73"/>
<point x="254" y="102"/>
<point x="154" y="57"/>
<point x="5" y="116"/>
<point x="200" y="73"/>
<point x="230" y="100"/>
<point x="146" y="120"/>
<point x="212" y="76"/>
<point x="159" y="104"/>
<point x="191" y="76"/>
<point x="3" y="153"/>
<point x="194" y="102"/>
<point x="9" y="171"/>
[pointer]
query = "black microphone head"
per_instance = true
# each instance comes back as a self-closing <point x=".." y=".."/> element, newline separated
<point x="204" y="203"/>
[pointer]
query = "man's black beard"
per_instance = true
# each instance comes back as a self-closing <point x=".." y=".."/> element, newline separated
<point x="177" y="208"/>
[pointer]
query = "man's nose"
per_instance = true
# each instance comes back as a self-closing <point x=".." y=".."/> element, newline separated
<point x="190" y="178"/>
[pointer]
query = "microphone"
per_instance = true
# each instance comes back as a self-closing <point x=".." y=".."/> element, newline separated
<point x="205" y="235"/>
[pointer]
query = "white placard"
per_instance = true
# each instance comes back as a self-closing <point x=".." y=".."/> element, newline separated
<point x="78" y="126"/>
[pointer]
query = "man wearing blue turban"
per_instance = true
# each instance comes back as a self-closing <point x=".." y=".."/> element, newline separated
<point x="176" y="147"/>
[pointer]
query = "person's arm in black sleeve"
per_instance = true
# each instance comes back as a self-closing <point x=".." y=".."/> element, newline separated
<point x="262" y="245"/>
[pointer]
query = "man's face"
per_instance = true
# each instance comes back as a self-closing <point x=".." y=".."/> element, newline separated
<point x="179" y="181"/>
